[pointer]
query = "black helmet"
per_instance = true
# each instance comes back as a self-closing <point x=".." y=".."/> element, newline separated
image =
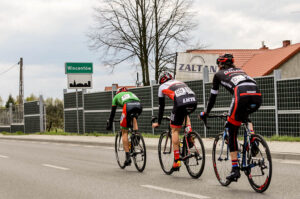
<point x="226" y="59"/>
<point x="165" y="77"/>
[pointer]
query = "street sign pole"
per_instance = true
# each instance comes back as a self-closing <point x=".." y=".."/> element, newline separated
<point x="77" y="112"/>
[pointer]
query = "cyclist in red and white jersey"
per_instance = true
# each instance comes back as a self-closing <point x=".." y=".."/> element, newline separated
<point x="184" y="98"/>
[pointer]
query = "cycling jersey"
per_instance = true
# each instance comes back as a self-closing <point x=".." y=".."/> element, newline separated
<point x="130" y="103"/>
<point x="183" y="98"/>
<point x="178" y="91"/>
<point x="122" y="98"/>
<point x="229" y="78"/>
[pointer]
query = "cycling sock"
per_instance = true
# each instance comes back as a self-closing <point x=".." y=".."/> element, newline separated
<point x="127" y="155"/>
<point x="176" y="155"/>
<point x="188" y="128"/>
<point x="234" y="163"/>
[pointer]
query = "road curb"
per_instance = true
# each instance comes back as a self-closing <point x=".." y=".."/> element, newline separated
<point x="283" y="156"/>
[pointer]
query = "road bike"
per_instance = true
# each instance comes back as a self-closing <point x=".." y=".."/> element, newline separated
<point x="137" y="148"/>
<point x="191" y="153"/>
<point x="254" y="157"/>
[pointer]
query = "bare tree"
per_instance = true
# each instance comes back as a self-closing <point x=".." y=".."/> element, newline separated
<point x="141" y="29"/>
<point x="173" y="22"/>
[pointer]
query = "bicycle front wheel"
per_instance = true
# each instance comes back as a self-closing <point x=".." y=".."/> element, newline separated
<point x="165" y="153"/>
<point x="119" y="150"/>
<point x="139" y="152"/>
<point x="196" y="153"/>
<point x="260" y="162"/>
<point x="221" y="159"/>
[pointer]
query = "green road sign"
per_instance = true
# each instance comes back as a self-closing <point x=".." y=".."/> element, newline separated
<point x="79" y="68"/>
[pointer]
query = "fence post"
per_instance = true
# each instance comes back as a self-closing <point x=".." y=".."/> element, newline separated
<point x="113" y="88"/>
<point x="205" y="80"/>
<point x="64" y="92"/>
<point x="153" y="82"/>
<point x="77" y="115"/>
<point x="277" y="76"/>
<point x="10" y="114"/>
<point x="83" y="114"/>
<point x="41" y="109"/>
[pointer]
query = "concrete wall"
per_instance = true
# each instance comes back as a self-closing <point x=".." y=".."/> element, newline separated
<point x="291" y="68"/>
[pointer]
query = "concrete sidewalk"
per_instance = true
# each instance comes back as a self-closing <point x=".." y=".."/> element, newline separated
<point x="279" y="150"/>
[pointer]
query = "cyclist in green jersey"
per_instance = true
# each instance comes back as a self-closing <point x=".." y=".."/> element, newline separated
<point x="131" y="105"/>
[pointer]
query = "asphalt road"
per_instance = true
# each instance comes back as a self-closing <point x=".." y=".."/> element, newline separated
<point x="51" y="170"/>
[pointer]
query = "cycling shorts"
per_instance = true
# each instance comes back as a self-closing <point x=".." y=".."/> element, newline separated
<point x="129" y="109"/>
<point x="247" y="99"/>
<point x="179" y="112"/>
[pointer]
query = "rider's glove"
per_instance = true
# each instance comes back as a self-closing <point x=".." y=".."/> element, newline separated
<point x="108" y="125"/>
<point x="203" y="115"/>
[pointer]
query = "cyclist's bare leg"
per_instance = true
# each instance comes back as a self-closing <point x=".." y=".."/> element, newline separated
<point x="135" y="124"/>
<point x="175" y="141"/>
<point x="188" y="121"/>
<point x="233" y="155"/>
<point x="125" y="140"/>
<point x="175" y="138"/>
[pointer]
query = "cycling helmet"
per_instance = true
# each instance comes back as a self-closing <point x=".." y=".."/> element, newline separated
<point x="122" y="89"/>
<point x="226" y="59"/>
<point x="165" y="77"/>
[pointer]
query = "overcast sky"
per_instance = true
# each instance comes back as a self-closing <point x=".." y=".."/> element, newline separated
<point x="48" y="33"/>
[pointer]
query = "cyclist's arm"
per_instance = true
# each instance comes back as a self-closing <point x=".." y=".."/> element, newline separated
<point x="113" y="109"/>
<point x="112" y="114"/>
<point x="213" y="94"/>
<point x="161" y="105"/>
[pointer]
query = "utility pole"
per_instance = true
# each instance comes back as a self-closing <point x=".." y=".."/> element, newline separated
<point x="21" y="85"/>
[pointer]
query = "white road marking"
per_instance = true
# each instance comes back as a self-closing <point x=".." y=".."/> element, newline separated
<point x="89" y="146"/>
<point x="55" y="167"/>
<point x="289" y="161"/>
<point x="175" y="192"/>
<point x="106" y="147"/>
<point x="73" y="145"/>
<point x="3" y="156"/>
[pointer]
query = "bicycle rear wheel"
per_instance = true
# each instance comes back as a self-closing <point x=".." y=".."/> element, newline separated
<point x="221" y="161"/>
<point x="119" y="150"/>
<point x="165" y="153"/>
<point x="139" y="152"/>
<point x="196" y="161"/>
<point x="260" y="161"/>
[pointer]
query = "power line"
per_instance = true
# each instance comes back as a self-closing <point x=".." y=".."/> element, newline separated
<point x="9" y="69"/>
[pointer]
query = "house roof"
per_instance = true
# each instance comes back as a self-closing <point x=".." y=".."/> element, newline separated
<point x="264" y="64"/>
<point x="257" y="62"/>
<point x="109" y="88"/>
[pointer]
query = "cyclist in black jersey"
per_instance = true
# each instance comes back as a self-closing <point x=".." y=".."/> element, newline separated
<point x="246" y="100"/>
<point x="184" y="98"/>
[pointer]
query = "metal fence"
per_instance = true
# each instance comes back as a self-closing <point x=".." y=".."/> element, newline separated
<point x="29" y="117"/>
<point x="278" y="115"/>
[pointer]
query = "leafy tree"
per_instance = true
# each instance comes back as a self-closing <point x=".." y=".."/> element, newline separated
<point x="10" y="100"/>
<point x="54" y="114"/>
<point x="1" y="102"/>
<point x="31" y="98"/>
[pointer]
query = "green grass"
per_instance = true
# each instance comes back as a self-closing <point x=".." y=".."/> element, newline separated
<point x="283" y="138"/>
<point x="146" y="135"/>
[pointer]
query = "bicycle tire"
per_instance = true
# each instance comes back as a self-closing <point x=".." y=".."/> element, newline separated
<point x="163" y="155"/>
<point x="196" y="149"/>
<point x="260" y="188"/>
<point x="119" y="151"/>
<point x="216" y="161"/>
<point x="139" y="143"/>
